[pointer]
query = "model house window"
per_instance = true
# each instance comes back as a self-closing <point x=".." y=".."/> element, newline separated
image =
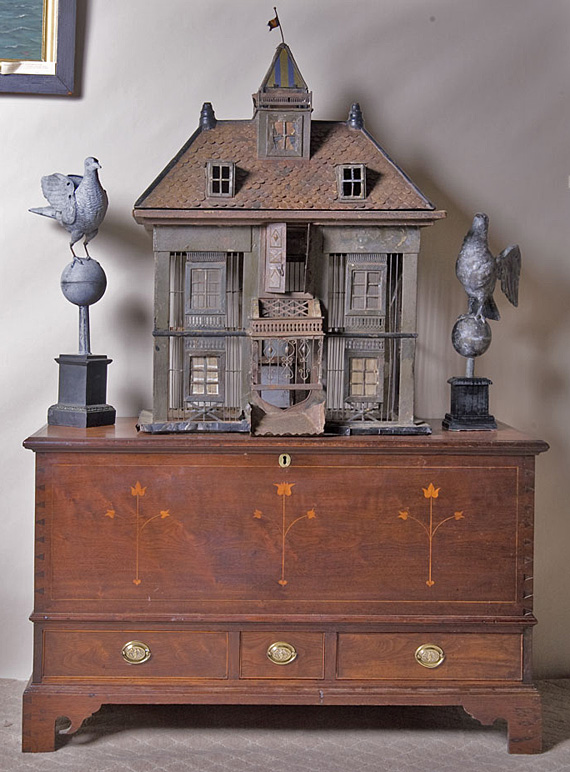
<point x="365" y="290"/>
<point x="351" y="180"/>
<point x="364" y="378"/>
<point x="221" y="176"/>
<point x="206" y="289"/>
<point x="205" y="376"/>
<point x="285" y="135"/>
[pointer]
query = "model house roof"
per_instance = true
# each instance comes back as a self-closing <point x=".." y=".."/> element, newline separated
<point x="287" y="183"/>
<point x="292" y="187"/>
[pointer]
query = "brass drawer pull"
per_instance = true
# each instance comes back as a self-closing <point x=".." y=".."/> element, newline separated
<point x="135" y="652"/>
<point x="281" y="653"/>
<point x="429" y="655"/>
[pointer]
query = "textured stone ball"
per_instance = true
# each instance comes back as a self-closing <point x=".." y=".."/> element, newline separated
<point x="471" y="336"/>
<point x="83" y="282"/>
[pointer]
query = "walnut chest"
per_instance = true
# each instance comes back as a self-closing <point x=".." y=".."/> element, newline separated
<point x="231" y="569"/>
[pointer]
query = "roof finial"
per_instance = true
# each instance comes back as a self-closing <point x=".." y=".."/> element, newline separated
<point x="207" y="117"/>
<point x="355" y="119"/>
<point x="274" y="23"/>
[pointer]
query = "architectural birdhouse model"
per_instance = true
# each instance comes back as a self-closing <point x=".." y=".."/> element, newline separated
<point x="286" y="255"/>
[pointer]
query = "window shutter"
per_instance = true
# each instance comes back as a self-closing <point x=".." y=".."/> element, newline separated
<point x="276" y="257"/>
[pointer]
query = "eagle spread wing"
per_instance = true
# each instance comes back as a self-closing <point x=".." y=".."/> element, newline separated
<point x="508" y="271"/>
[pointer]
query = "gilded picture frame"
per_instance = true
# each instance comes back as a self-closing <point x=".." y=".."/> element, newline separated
<point x="51" y="67"/>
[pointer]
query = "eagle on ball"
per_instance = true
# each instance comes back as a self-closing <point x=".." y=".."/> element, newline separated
<point x="478" y="271"/>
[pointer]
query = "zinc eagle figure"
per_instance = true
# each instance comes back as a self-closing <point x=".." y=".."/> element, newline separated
<point x="478" y="271"/>
<point x="78" y="204"/>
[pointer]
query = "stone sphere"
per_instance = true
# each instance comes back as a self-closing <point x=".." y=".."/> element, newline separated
<point x="83" y="282"/>
<point x="471" y="336"/>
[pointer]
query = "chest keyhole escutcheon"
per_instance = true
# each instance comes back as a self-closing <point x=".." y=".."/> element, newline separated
<point x="284" y="460"/>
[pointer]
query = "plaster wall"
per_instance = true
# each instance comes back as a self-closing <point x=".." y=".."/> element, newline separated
<point x="471" y="98"/>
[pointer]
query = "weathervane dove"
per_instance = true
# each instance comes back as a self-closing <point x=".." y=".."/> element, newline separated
<point x="77" y="203"/>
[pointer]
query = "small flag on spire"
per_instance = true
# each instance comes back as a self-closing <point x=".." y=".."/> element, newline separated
<point x="274" y="23"/>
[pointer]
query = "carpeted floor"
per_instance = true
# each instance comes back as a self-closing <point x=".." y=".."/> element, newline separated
<point x="287" y="739"/>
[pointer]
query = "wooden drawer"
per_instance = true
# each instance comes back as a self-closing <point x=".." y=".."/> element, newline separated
<point x="469" y="656"/>
<point x="87" y="655"/>
<point x="282" y="655"/>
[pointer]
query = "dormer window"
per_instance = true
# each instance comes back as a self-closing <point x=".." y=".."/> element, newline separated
<point x="220" y="177"/>
<point x="351" y="181"/>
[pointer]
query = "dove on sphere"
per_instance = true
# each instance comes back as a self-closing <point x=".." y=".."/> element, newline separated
<point x="78" y="203"/>
<point x="478" y="270"/>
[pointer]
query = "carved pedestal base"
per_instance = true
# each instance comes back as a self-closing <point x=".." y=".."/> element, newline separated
<point x="82" y="399"/>
<point x="469" y="406"/>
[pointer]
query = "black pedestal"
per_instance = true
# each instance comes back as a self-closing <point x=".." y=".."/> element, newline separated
<point x="82" y="392"/>
<point x="469" y="406"/>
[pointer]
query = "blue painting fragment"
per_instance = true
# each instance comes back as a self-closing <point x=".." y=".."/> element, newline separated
<point x="21" y="29"/>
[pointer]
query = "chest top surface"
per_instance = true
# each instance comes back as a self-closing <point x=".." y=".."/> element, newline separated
<point x="123" y="437"/>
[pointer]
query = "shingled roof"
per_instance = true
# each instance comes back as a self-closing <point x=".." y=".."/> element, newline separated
<point x="282" y="184"/>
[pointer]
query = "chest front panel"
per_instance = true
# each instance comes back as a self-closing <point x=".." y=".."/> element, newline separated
<point x="234" y="532"/>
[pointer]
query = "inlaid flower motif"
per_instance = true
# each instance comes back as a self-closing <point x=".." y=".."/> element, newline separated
<point x="138" y="490"/>
<point x="431" y="492"/>
<point x="140" y="524"/>
<point x="284" y="490"/>
<point x="430" y="527"/>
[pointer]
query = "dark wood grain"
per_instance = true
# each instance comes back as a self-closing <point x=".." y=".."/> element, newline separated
<point x="94" y="654"/>
<point x="468" y="657"/>
<point x="254" y="662"/>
